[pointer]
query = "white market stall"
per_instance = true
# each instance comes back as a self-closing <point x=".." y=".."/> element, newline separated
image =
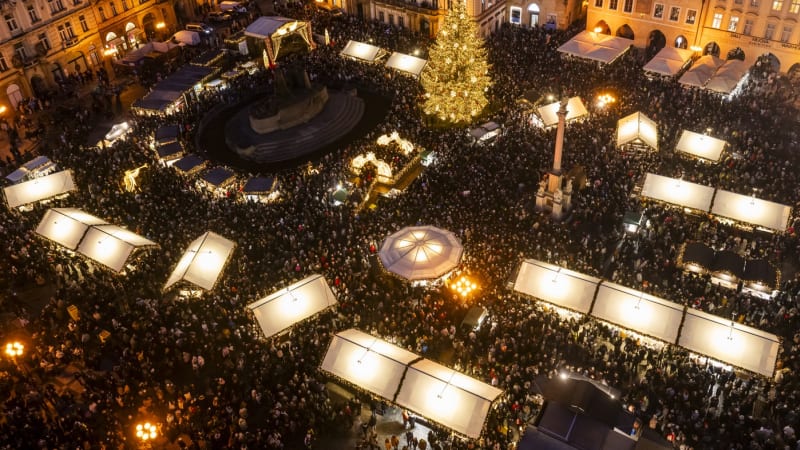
<point x="728" y="77"/>
<point x="203" y="261"/>
<point x="362" y="51"/>
<point x="637" y="311"/>
<point x="111" y="245"/>
<point x="637" y="130"/>
<point x="447" y="397"/>
<point x="421" y="252"/>
<point x="751" y="210"/>
<point x="37" y="167"/>
<point x="599" y="47"/>
<point x="39" y="189"/>
<point x="677" y="192"/>
<point x="575" y="110"/>
<point x="66" y="226"/>
<point x="406" y="63"/>
<point x="558" y="286"/>
<point x="700" y="145"/>
<point x="272" y="30"/>
<point x="701" y="71"/>
<point x="485" y="132"/>
<point x="293" y="304"/>
<point x="367" y="362"/>
<point x="729" y="342"/>
<point x="669" y="61"/>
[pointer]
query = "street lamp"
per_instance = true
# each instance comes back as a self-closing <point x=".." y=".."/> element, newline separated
<point x="14" y="349"/>
<point x="146" y="432"/>
<point x="464" y="286"/>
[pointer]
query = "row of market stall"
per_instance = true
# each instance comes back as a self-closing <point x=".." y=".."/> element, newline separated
<point x="640" y="132"/>
<point x="402" y="62"/>
<point x="728" y="268"/>
<point x="704" y="334"/>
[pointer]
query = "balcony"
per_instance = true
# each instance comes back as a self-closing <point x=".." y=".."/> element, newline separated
<point x="69" y="42"/>
<point x="29" y="61"/>
<point x="424" y="7"/>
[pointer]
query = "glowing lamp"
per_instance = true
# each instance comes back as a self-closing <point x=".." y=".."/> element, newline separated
<point x="146" y="431"/>
<point x="14" y="349"/>
<point x="160" y="25"/>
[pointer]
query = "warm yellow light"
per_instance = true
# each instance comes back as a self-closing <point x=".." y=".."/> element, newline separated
<point x="464" y="286"/>
<point x="14" y="349"/>
<point x="160" y="25"/>
<point x="695" y="48"/>
<point x="146" y="431"/>
<point x="605" y="99"/>
<point x="3" y="109"/>
<point x="109" y="51"/>
<point x="597" y="29"/>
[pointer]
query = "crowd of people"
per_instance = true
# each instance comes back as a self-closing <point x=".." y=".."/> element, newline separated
<point x="200" y="368"/>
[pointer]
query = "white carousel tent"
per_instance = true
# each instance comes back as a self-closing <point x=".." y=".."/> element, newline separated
<point x="556" y="285"/>
<point x="729" y="342"/>
<point x="637" y="129"/>
<point x="282" y="309"/>
<point x="595" y="46"/>
<point x="66" y="226"/>
<point x="111" y="245"/>
<point x="421" y="252"/>
<point x="638" y="311"/>
<point x="362" y="51"/>
<point x="447" y="397"/>
<point x="38" y="189"/>
<point x="678" y="192"/>
<point x="747" y="209"/>
<point x="203" y="261"/>
<point x="406" y="63"/>
<point x="669" y="61"/>
<point x="700" y="145"/>
<point x="575" y="110"/>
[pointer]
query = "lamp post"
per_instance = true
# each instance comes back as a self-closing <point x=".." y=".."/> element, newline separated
<point x="145" y="433"/>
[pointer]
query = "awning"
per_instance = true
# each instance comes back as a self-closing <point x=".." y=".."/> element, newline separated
<point x="218" y="177"/>
<point x="421" y="252"/>
<point x="700" y="145"/>
<point x="751" y="210"/>
<point x="38" y="189"/>
<point x="637" y="311"/>
<point x="669" y="61"/>
<point x="66" y="226"/>
<point x="293" y="304"/>
<point x="595" y="46"/>
<point x="190" y="164"/>
<point x="637" y="129"/>
<point x="678" y="192"/>
<point x="575" y="110"/>
<point x="701" y="71"/>
<point x="170" y="89"/>
<point x="728" y="76"/>
<point x="203" y="261"/>
<point x="362" y="51"/>
<point x="556" y="285"/>
<point x="406" y="63"/>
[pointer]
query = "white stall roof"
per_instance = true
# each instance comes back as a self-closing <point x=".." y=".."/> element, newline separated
<point x="111" y="245"/>
<point x="728" y="76"/>
<point x="747" y="209"/>
<point x="421" y="252"/>
<point x="700" y="145"/>
<point x="406" y="63"/>
<point x="265" y="26"/>
<point x="35" y="166"/>
<point x="599" y="47"/>
<point x="556" y="285"/>
<point x="669" y="61"/>
<point x="447" y="397"/>
<point x="637" y="128"/>
<point x="362" y="51"/>
<point x="735" y="344"/>
<point x="203" y="261"/>
<point x="637" y="311"/>
<point x="575" y="110"/>
<point x="678" y="192"/>
<point x="367" y="362"/>
<point x="38" y="189"/>
<point x="66" y="226"/>
<point x="282" y="309"/>
<point x="701" y="71"/>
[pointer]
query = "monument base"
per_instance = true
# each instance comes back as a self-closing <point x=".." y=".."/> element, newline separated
<point x="300" y="108"/>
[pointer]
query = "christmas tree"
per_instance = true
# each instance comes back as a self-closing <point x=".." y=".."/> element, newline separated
<point x="457" y="76"/>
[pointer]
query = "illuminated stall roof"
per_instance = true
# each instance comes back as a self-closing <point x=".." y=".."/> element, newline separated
<point x="111" y="245"/>
<point x="447" y="397"/>
<point x="729" y="342"/>
<point x="290" y="305"/>
<point x="700" y="145"/>
<point x="367" y="362"/>
<point x="203" y="261"/>
<point x="575" y="110"/>
<point x="421" y="252"/>
<point x="40" y="188"/>
<point x="66" y="226"/>
<point x="637" y="129"/>
<point x="265" y="26"/>
<point x="219" y="177"/>
<point x="190" y="164"/>
<point x="701" y="71"/>
<point x="362" y="51"/>
<point x="678" y="192"/>
<point x="637" y="311"/>
<point x="751" y="210"/>
<point x="728" y="76"/>
<point x="598" y="47"/>
<point x="556" y="285"/>
<point x="669" y="61"/>
<point x="40" y="164"/>
<point x="406" y="63"/>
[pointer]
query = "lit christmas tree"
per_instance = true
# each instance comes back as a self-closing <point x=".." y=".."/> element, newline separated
<point x="457" y="76"/>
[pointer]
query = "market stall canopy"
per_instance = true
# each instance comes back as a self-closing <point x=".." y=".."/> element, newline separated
<point x="111" y="245"/>
<point x="677" y="192"/>
<point x="751" y="210"/>
<point x="219" y="177"/>
<point x="700" y="145"/>
<point x="760" y="271"/>
<point x="167" y="133"/>
<point x="406" y="63"/>
<point x="556" y="285"/>
<point x="421" y="252"/>
<point x="66" y="226"/>
<point x="595" y="46"/>
<point x="203" y="261"/>
<point x="669" y="61"/>
<point x="729" y="264"/>
<point x="171" y="88"/>
<point x="362" y="51"/>
<point x="728" y="76"/>
<point x="696" y="256"/>
<point x="265" y="26"/>
<point x="293" y="304"/>
<point x="367" y="362"/>
<point x="729" y="342"/>
<point x="170" y="151"/>
<point x="637" y="311"/>
<point x="447" y="397"/>
<point x="190" y="164"/>
<point x="575" y="110"/>
<point x="637" y="129"/>
<point x="485" y="131"/>
<point x="38" y="189"/>
<point x="701" y="71"/>
<point x="259" y="185"/>
<point x="32" y="168"/>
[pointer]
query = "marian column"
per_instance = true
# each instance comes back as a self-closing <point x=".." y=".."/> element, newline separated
<point x="554" y="177"/>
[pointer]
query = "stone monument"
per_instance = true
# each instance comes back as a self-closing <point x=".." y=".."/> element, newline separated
<point x="552" y="195"/>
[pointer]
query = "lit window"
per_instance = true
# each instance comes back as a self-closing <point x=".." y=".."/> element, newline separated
<point x="516" y="16"/>
<point x="691" y="16"/>
<point x="733" y="24"/>
<point x="717" y="22"/>
<point x="794" y="8"/>
<point x="777" y="5"/>
<point x="770" y="31"/>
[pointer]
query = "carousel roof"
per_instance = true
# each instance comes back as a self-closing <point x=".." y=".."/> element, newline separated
<point x="421" y="252"/>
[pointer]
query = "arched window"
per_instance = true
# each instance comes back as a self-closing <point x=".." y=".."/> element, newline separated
<point x="533" y="12"/>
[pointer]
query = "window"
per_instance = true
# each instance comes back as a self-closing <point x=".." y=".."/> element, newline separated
<point x="795" y="7"/>
<point x="3" y="63"/>
<point x="44" y="41"/>
<point x="733" y="24"/>
<point x="56" y="6"/>
<point x="113" y="8"/>
<point x="124" y="5"/>
<point x="380" y="16"/>
<point x="19" y="50"/>
<point x="516" y="16"/>
<point x="33" y="14"/>
<point x="717" y="20"/>
<point x="84" y="25"/>
<point x="612" y="4"/>
<point x="70" y="31"/>
<point x="770" y="31"/>
<point x="748" y="27"/>
<point x="12" y="23"/>
<point x="102" y="13"/>
<point x="674" y="14"/>
<point x="401" y="22"/>
<point x="754" y="3"/>
<point x="777" y="5"/>
<point x="391" y="19"/>
<point x="598" y="3"/>
<point x="62" y="33"/>
<point x="738" y="2"/>
<point x="658" y="11"/>
<point x="691" y="16"/>
<point x="787" y="33"/>
<point x="628" y="6"/>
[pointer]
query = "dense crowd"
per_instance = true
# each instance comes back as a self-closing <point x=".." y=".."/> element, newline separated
<point x="200" y="368"/>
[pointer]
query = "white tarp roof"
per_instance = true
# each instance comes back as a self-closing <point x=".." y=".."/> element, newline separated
<point x="678" y="192"/>
<point x="406" y="63"/>
<point x="556" y="285"/>
<point x="701" y="71"/>
<point x="729" y="342"/>
<point x="421" y="252"/>
<point x="266" y="26"/>
<point x="728" y="76"/>
<point x="362" y="51"/>
<point x="596" y="46"/>
<point x="203" y="261"/>
<point x="575" y="110"/>
<point x="367" y="362"/>
<point x="637" y="128"/>
<point x="447" y="397"/>
<point x="66" y="226"/>
<point x="282" y="309"/>
<point x="111" y="245"/>
<point x="638" y="311"/>
<point x="38" y="189"/>
<point x="700" y="145"/>
<point x="669" y="61"/>
<point x="747" y="209"/>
